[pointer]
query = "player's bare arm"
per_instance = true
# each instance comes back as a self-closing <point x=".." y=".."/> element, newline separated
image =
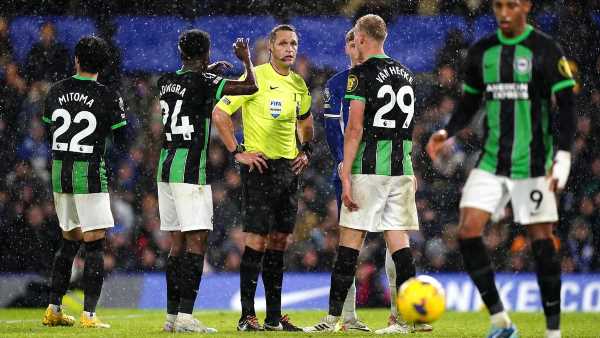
<point x="305" y="132"/>
<point x="352" y="138"/>
<point x="226" y="130"/>
<point x="248" y="85"/>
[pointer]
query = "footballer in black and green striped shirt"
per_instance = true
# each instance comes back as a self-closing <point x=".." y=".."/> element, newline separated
<point x="525" y="82"/>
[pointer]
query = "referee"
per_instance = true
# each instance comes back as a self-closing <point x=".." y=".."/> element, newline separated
<point x="270" y="167"/>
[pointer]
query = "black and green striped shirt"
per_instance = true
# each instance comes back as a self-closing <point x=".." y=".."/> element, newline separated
<point x="186" y="101"/>
<point x="387" y="89"/>
<point x="80" y="113"/>
<point x="517" y="78"/>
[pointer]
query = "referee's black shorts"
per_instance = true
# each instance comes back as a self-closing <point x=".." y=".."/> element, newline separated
<point x="269" y="200"/>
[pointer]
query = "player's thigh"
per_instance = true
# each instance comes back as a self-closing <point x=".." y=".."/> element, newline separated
<point x="66" y="212"/>
<point x="396" y="240"/>
<point x="352" y="238"/>
<point x="166" y="208"/>
<point x="94" y="211"/>
<point x="533" y="202"/>
<point x="400" y="211"/>
<point x="258" y="201"/>
<point x="370" y="193"/>
<point x="484" y="191"/>
<point x="193" y="205"/>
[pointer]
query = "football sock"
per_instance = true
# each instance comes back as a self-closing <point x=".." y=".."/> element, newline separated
<point x="172" y="273"/>
<point x="93" y="274"/>
<point x="249" y="270"/>
<point x="272" y="276"/>
<point x="61" y="270"/>
<point x="405" y="266"/>
<point x="349" y="309"/>
<point x="341" y="278"/>
<point x="478" y="266"/>
<point x="390" y="270"/>
<point x="500" y="319"/>
<point x="190" y="275"/>
<point x="548" y="276"/>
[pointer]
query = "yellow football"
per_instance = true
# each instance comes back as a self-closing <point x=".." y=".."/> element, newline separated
<point x="421" y="300"/>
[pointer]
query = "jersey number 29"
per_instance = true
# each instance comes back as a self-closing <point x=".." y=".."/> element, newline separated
<point x="73" y="145"/>
<point x="185" y="128"/>
<point x="395" y="98"/>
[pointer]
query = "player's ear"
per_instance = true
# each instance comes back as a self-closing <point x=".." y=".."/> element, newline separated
<point x="526" y="6"/>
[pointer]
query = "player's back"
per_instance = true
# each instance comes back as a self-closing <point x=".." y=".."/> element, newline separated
<point x="386" y="87"/>
<point x="81" y="113"/>
<point x="186" y="100"/>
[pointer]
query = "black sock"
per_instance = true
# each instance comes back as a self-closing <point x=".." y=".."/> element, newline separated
<point x="272" y="276"/>
<point x="93" y="274"/>
<point x="405" y="266"/>
<point x="61" y="270"/>
<point x="172" y="273"/>
<point x="548" y="276"/>
<point x="249" y="270"/>
<point x="342" y="278"/>
<point x="478" y="265"/>
<point x="190" y="276"/>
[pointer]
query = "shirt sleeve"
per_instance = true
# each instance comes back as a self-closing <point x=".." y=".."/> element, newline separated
<point x="304" y="105"/>
<point x="215" y="84"/>
<point x="332" y="116"/>
<point x="46" y="113"/>
<point x="356" y="85"/>
<point x="230" y="104"/>
<point x="473" y="78"/>
<point x="117" y="111"/>
<point x="557" y="69"/>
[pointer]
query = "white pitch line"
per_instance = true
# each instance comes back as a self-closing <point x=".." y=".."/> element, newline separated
<point x="37" y="320"/>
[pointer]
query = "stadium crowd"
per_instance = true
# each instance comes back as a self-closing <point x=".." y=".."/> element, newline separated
<point x="29" y="230"/>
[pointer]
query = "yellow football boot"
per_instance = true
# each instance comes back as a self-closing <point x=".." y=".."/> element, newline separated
<point x="92" y="322"/>
<point x="53" y="318"/>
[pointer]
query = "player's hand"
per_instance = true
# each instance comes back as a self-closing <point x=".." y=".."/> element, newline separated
<point x="300" y="163"/>
<point x="242" y="49"/>
<point x="256" y="161"/>
<point x="559" y="172"/>
<point x="436" y="142"/>
<point x="347" y="197"/>
<point x="219" y="67"/>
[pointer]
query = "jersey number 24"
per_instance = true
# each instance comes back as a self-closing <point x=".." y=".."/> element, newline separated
<point x="185" y="128"/>
<point x="395" y="98"/>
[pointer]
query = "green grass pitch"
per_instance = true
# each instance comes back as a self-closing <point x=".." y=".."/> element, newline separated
<point x="148" y="323"/>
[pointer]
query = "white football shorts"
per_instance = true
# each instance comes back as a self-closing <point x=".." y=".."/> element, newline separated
<point x="185" y="207"/>
<point x="384" y="203"/>
<point x="87" y="211"/>
<point x="531" y="198"/>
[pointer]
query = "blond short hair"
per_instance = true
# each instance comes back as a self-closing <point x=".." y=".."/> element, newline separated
<point x="373" y="26"/>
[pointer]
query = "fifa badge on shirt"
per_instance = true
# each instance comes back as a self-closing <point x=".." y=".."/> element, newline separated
<point x="275" y="107"/>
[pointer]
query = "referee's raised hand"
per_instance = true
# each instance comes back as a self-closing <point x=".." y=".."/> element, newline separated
<point x="256" y="161"/>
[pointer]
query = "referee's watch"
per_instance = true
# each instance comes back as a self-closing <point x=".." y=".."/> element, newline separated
<point x="239" y="148"/>
<point x="306" y="148"/>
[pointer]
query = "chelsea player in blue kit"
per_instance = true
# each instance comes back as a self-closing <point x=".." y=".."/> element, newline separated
<point x="335" y="113"/>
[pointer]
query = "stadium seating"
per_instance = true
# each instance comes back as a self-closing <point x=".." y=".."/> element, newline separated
<point x="24" y="32"/>
<point x="414" y="40"/>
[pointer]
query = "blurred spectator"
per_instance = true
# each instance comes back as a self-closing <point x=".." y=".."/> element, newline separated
<point x="48" y="60"/>
<point x="6" y="49"/>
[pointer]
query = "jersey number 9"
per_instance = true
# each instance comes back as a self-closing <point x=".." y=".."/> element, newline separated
<point x="395" y="98"/>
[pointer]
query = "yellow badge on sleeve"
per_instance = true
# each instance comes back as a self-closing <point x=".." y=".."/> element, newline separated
<point x="352" y="83"/>
<point x="564" y="68"/>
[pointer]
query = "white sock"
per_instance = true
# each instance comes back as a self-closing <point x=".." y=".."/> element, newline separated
<point x="184" y="315"/>
<point x="349" y="310"/>
<point x="171" y="318"/>
<point x="55" y="308"/>
<point x="553" y="334"/>
<point x="390" y="270"/>
<point x="500" y="319"/>
<point x="89" y="314"/>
